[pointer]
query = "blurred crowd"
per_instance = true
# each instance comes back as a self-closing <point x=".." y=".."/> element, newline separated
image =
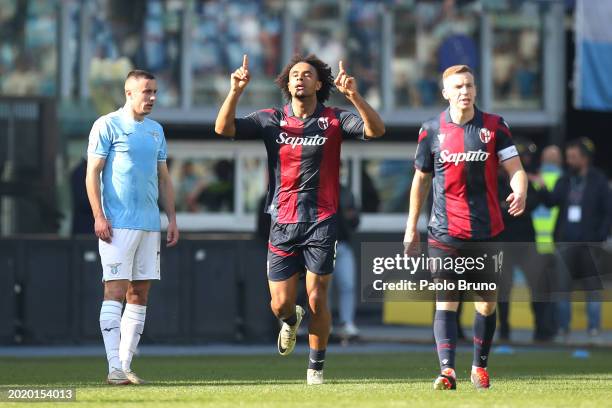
<point x="28" y="54"/>
<point x="117" y="36"/>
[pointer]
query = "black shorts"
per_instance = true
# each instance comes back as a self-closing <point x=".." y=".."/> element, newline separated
<point x="478" y="263"/>
<point x="302" y="246"/>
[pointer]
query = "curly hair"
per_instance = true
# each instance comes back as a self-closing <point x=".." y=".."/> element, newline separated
<point x="324" y="74"/>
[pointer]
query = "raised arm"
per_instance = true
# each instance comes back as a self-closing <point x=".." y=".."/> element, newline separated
<point x="373" y="124"/>
<point x="421" y="184"/>
<point x="224" y="125"/>
<point x="102" y="226"/>
<point x="166" y="192"/>
<point x="518" y="184"/>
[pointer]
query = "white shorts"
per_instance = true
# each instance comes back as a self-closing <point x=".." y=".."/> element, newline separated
<point x="132" y="255"/>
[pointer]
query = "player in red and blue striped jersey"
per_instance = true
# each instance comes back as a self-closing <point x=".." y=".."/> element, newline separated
<point x="303" y="142"/>
<point x="462" y="149"/>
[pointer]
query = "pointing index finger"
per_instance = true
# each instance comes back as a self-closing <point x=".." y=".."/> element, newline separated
<point x="341" y="65"/>
<point x="245" y="62"/>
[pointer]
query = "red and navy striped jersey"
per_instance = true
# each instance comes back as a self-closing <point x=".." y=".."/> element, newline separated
<point x="303" y="159"/>
<point x="464" y="161"/>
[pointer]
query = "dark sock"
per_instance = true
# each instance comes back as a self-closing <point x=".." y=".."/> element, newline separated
<point x="484" y="329"/>
<point x="291" y="320"/>
<point x="316" y="359"/>
<point x="445" y="333"/>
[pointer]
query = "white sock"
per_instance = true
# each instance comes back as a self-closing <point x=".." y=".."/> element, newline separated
<point x="110" y="322"/>
<point x="132" y="324"/>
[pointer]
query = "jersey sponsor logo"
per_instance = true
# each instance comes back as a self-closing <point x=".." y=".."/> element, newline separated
<point x="323" y="123"/>
<point x="458" y="157"/>
<point x="293" y="141"/>
<point x="485" y="135"/>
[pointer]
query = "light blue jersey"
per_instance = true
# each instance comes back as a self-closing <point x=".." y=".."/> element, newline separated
<point x="129" y="185"/>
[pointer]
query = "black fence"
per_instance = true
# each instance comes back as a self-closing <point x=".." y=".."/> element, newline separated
<point x="211" y="290"/>
<point x="29" y="142"/>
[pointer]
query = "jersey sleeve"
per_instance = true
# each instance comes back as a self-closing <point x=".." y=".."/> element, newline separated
<point x="99" y="139"/>
<point x="162" y="153"/>
<point x="504" y="146"/>
<point x="423" y="160"/>
<point x="249" y="127"/>
<point x="351" y="124"/>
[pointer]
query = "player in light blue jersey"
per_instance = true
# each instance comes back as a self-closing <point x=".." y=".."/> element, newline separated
<point x="126" y="173"/>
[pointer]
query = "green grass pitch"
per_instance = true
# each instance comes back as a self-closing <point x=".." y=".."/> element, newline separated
<point x="529" y="378"/>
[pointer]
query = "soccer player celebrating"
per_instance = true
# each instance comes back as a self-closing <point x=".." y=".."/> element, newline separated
<point x="462" y="148"/>
<point x="128" y="151"/>
<point x="303" y="144"/>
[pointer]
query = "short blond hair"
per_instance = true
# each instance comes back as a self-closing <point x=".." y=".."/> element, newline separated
<point x="457" y="69"/>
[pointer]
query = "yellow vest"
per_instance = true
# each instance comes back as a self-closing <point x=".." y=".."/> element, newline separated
<point x="545" y="219"/>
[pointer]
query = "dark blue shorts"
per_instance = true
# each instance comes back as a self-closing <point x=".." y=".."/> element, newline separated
<point x="487" y="256"/>
<point x="473" y="262"/>
<point x="295" y="248"/>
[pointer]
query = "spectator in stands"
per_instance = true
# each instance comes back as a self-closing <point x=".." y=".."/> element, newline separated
<point x="363" y="46"/>
<point x="218" y="195"/>
<point x="23" y="79"/>
<point x="187" y="183"/>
